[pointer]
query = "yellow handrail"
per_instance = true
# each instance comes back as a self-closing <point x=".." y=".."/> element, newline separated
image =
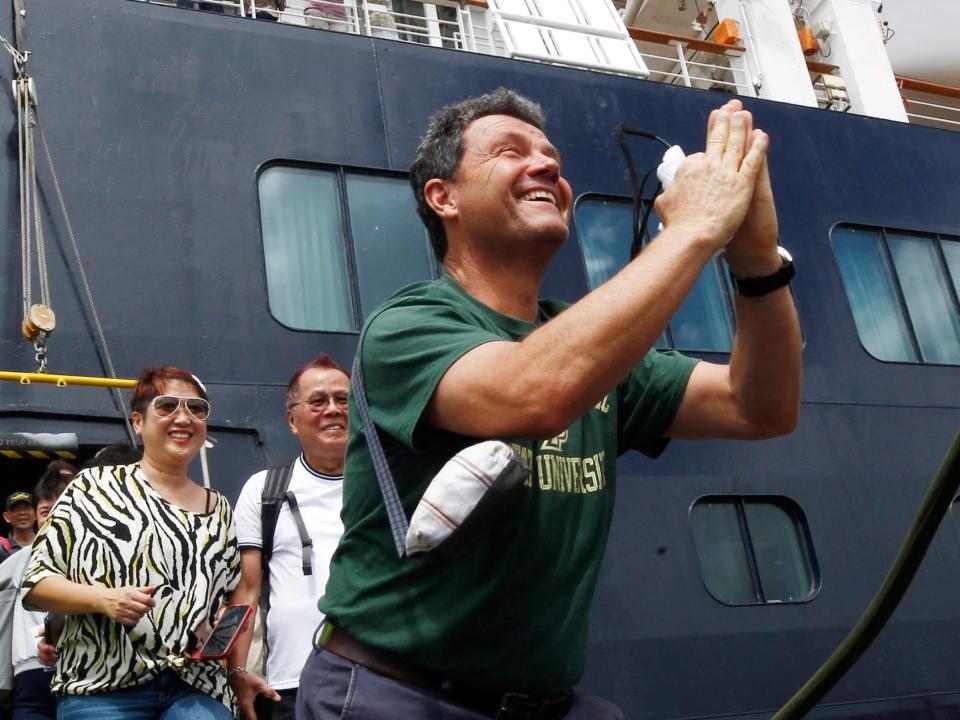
<point x="25" y="378"/>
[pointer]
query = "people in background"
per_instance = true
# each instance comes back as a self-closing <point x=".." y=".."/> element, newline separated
<point x="20" y="514"/>
<point x="316" y="408"/>
<point x="327" y="15"/>
<point x="114" y="455"/>
<point x="269" y="10"/>
<point x="201" y="5"/>
<point x="31" y="682"/>
<point x="140" y="559"/>
<point x="382" y="22"/>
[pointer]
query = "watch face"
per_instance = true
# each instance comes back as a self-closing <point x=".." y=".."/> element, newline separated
<point x="784" y="255"/>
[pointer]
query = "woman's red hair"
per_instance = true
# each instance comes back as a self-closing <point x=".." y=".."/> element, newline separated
<point x="153" y="381"/>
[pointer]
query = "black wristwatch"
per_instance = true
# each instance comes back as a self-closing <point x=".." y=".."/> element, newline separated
<point x="759" y="286"/>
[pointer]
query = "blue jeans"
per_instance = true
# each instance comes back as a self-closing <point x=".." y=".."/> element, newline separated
<point x="332" y="688"/>
<point x="164" y="698"/>
<point x="31" y="696"/>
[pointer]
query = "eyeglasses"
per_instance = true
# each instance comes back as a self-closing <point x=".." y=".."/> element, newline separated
<point x="319" y="404"/>
<point x="167" y="405"/>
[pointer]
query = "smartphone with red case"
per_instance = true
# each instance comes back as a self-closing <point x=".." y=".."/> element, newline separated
<point x="224" y="634"/>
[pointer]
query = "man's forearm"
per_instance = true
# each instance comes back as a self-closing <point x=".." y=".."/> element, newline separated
<point x="765" y="365"/>
<point x="559" y="371"/>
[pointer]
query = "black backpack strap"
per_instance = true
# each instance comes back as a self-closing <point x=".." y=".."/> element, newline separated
<point x="274" y="493"/>
<point x="305" y="542"/>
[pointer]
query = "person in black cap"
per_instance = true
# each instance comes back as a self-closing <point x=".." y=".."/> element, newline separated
<point x="20" y="514"/>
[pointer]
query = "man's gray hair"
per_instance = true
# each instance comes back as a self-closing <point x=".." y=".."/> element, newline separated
<point x="441" y="149"/>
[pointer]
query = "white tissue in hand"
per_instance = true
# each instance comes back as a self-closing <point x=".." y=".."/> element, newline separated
<point x="672" y="159"/>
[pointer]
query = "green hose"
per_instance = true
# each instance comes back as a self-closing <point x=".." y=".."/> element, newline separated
<point x="934" y="506"/>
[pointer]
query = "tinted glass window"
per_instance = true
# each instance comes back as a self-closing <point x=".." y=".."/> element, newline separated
<point x="902" y="288"/>
<point x="323" y="272"/>
<point x="927" y="295"/>
<point x="873" y="295"/>
<point x="951" y="253"/>
<point x="703" y="321"/>
<point x="389" y="242"/>
<point x="722" y="553"/>
<point x="308" y="284"/>
<point x="753" y="550"/>
<point x="604" y="228"/>
<point x="779" y="549"/>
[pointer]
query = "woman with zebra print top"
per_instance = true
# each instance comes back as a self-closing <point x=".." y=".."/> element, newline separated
<point x="139" y="557"/>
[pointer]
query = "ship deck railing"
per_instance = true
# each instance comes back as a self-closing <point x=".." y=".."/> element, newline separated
<point x="929" y="103"/>
<point x="467" y="25"/>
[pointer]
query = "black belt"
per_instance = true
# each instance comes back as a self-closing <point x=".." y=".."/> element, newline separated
<point x="502" y="706"/>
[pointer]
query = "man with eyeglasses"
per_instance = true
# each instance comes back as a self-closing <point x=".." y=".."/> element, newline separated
<point x="306" y="534"/>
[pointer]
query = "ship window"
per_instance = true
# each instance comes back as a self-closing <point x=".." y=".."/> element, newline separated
<point x="702" y="323"/>
<point x="390" y="243"/>
<point x="754" y="550"/>
<point x="902" y="288"/>
<point x="337" y="243"/>
<point x="308" y="285"/>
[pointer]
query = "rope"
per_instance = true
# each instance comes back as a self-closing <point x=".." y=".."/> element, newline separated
<point x="105" y="350"/>
<point x="37" y="217"/>
<point x="31" y="219"/>
<point x="19" y="58"/>
<point x="25" y="254"/>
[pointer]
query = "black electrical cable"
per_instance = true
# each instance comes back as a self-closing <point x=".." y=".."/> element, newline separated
<point x="639" y="224"/>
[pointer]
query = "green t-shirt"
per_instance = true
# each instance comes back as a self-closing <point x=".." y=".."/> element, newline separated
<point x="512" y="614"/>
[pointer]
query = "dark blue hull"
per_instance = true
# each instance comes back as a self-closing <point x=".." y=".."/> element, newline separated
<point x="159" y="120"/>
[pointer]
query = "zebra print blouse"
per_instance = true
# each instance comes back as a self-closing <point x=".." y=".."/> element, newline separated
<point x="111" y="528"/>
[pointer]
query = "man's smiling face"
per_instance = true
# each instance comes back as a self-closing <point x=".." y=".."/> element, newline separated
<point x="319" y="416"/>
<point x="508" y="184"/>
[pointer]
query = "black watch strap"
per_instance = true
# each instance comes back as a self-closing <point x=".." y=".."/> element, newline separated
<point x="760" y="286"/>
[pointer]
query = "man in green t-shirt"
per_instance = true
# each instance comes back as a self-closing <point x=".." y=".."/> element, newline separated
<point x="476" y="355"/>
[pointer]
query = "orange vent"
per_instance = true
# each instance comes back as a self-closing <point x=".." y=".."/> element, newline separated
<point x="808" y="43"/>
<point x="727" y="32"/>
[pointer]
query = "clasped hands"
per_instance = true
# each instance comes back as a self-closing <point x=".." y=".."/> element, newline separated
<point x="724" y="194"/>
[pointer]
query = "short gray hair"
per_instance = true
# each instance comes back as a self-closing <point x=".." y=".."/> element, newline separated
<point x="441" y="148"/>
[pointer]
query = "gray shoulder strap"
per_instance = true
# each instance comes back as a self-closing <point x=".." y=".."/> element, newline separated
<point x="391" y="500"/>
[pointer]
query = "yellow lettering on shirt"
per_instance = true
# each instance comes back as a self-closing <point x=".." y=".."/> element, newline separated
<point x="572" y="475"/>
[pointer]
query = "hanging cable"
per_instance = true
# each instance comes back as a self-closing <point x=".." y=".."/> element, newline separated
<point x="639" y="225"/>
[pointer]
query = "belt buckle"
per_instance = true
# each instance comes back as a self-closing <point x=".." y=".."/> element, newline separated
<point x="519" y="706"/>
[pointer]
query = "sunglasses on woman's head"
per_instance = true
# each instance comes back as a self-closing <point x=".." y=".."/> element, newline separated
<point x="167" y="405"/>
